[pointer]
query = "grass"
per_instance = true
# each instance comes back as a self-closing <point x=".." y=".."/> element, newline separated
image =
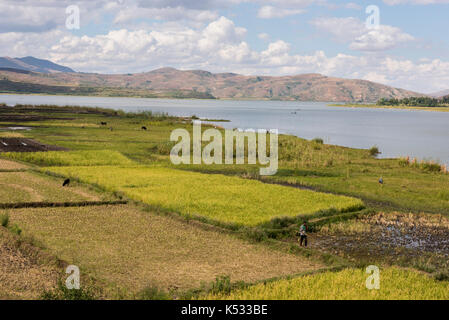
<point x="128" y="250"/>
<point x="19" y="187"/>
<point x="217" y="197"/>
<point x="349" y="284"/>
<point x="71" y="158"/>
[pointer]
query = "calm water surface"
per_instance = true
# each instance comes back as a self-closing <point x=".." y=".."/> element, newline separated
<point x="420" y="134"/>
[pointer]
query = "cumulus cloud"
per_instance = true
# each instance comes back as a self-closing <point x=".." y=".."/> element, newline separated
<point x="359" y="37"/>
<point x="217" y="44"/>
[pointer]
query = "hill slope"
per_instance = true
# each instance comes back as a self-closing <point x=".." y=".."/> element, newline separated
<point x="32" y="64"/>
<point x="304" y="87"/>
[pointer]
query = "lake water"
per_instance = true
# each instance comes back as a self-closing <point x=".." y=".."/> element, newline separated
<point x="421" y="134"/>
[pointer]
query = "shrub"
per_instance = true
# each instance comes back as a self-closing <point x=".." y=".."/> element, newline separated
<point x="374" y="151"/>
<point x="318" y="140"/>
<point x="4" y="220"/>
<point x="15" y="229"/>
<point x="61" y="292"/>
<point x="221" y="285"/>
<point x="430" y="166"/>
<point x="152" y="293"/>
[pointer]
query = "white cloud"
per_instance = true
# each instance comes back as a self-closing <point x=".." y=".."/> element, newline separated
<point x="269" y="12"/>
<point x="384" y="38"/>
<point x="419" y="2"/>
<point x="263" y="36"/>
<point x="130" y="14"/>
<point x="359" y="37"/>
<point x="221" y="46"/>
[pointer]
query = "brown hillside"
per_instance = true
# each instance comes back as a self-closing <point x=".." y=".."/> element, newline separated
<point x="304" y="87"/>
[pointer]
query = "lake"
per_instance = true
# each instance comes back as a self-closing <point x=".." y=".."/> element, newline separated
<point x="414" y="133"/>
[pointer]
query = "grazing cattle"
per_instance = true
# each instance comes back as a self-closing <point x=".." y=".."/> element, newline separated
<point x="104" y="123"/>
<point x="66" y="182"/>
<point x="144" y="128"/>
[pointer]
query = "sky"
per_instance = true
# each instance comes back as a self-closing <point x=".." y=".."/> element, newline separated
<point x="402" y="43"/>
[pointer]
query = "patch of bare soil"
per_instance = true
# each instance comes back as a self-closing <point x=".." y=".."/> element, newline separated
<point x="25" y="272"/>
<point x="27" y="118"/>
<point x="25" y="145"/>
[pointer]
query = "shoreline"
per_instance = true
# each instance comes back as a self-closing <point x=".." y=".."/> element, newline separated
<point x="374" y="106"/>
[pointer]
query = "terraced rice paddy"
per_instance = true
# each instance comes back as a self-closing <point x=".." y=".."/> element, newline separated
<point x="349" y="284"/>
<point x="129" y="249"/>
<point x="217" y="197"/>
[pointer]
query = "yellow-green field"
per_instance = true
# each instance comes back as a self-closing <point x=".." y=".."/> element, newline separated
<point x="71" y="158"/>
<point x="217" y="197"/>
<point x="128" y="249"/>
<point x="349" y="284"/>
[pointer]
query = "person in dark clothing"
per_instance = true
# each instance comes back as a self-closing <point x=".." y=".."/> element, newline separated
<point x="303" y="234"/>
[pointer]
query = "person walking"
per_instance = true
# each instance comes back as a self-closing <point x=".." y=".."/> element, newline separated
<point x="303" y="234"/>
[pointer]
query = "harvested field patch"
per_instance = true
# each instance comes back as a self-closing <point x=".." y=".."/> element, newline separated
<point x="18" y="187"/>
<point x="25" y="272"/>
<point x="220" y="198"/>
<point x="11" y="165"/>
<point x="129" y="249"/>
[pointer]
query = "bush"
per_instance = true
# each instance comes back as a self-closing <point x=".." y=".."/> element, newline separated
<point x="152" y="293"/>
<point x="222" y="285"/>
<point x="15" y="229"/>
<point x="430" y="166"/>
<point x="374" y="151"/>
<point x="4" y="220"/>
<point x="318" y="140"/>
<point x="61" y="292"/>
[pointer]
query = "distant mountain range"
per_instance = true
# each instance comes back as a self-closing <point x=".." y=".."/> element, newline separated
<point x="32" y="64"/>
<point x="440" y="94"/>
<point x="46" y="77"/>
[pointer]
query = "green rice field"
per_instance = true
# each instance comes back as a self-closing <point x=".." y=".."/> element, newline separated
<point x="217" y="197"/>
<point x="71" y="158"/>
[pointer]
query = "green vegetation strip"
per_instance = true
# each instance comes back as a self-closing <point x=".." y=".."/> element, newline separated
<point x="217" y="197"/>
<point x="18" y="205"/>
<point x="349" y="284"/>
<point x="71" y="158"/>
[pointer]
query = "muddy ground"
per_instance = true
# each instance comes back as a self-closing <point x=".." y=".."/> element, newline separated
<point x="421" y="241"/>
<point x="25" y="145"/>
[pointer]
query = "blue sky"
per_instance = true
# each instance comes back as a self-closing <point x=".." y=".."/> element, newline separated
<point x="408" y="49"/>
